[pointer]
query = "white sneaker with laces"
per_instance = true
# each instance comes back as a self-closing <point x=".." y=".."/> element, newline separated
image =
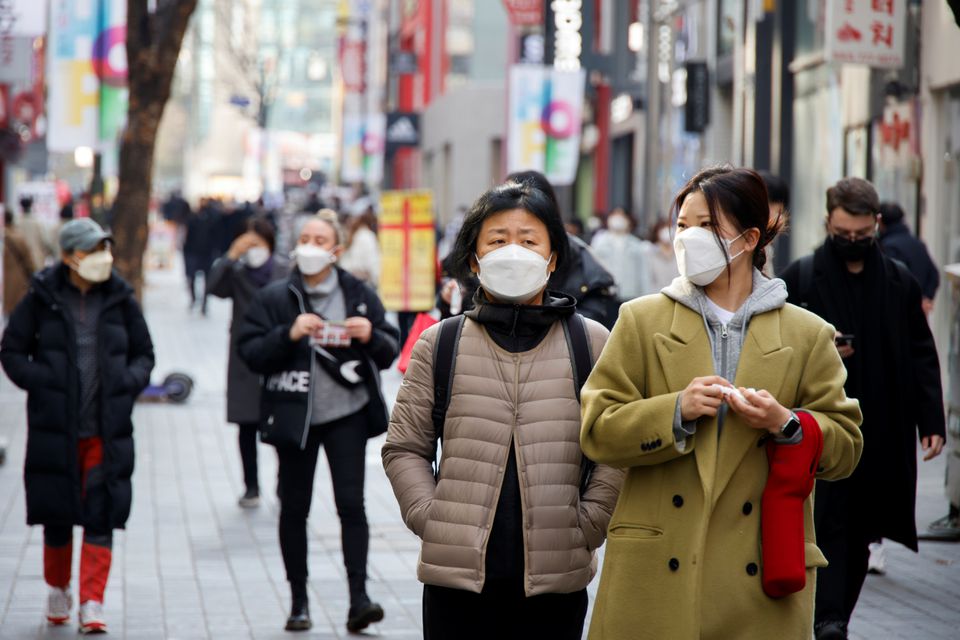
<point x="877" y="563"/>
<point x="91" y="617"/>
<point x="59" y="603"/>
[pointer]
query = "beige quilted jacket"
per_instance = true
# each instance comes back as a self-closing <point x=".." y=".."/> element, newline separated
<point x="499" y="399"/>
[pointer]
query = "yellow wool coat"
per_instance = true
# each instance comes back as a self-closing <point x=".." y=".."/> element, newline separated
<point x="683" y="558"/>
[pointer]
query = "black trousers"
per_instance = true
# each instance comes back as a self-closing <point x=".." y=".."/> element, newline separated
<point x="502" y="611"/>
<point x="345" y="443"/>
<point x="247" y="436"/>
<point x="846" y="546"/>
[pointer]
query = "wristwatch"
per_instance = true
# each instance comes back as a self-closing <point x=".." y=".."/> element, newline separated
<point x="790" y="427"/>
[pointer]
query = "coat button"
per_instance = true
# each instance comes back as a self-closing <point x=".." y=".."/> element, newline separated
<point x="752" y="569"/>
<point x="658" y="442"/>
<point x="747" y="508"/>
<point x="678" y="501"/>
<point x="643" y="446"/>
<point x="674" y="564"/>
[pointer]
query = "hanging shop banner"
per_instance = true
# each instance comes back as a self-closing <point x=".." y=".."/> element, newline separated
<point x="525" y="13"/>
<point x="545" y="112"/>
<point x="22" y="18"/>
<point x="870" y="32"/>
<point x="408" y="280"/>
<point x="87" y="73"/>
<point x="362" y="148"/>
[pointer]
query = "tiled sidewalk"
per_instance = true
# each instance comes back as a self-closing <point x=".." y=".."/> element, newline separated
<point x="191" y="564"/>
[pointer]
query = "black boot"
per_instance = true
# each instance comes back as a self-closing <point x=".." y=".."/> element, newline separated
<point x="363" y="613"/>
<point x="299" y="619"/>
<point x="831" y="630"/>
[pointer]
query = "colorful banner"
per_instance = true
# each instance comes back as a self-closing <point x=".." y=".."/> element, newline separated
<point x="545" y="112"/>
<point x="408" y="279"/>
<point x="87" y="74"/>
<point x="363" y="148"/>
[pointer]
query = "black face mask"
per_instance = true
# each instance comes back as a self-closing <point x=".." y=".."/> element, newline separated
<point x="851" y="250"/>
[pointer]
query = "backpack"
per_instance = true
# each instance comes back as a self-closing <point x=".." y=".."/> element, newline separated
<point x="444" y="366"/>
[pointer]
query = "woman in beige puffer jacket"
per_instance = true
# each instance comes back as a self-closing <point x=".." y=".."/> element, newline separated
<point x="508" y="541"/>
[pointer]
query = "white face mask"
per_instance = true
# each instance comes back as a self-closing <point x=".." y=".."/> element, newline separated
<point x="513" y="274"/>
<point x="256" y="257"/>
<point x="312" y="259"/>
<point x="699" y="258"/>
<point x="618" y="224"/>
<point x="95" y="267"/>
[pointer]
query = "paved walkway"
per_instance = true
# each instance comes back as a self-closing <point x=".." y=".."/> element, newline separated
<point x="191" y="564"/>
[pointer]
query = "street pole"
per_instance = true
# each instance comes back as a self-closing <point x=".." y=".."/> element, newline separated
<point x="651" y="154"/>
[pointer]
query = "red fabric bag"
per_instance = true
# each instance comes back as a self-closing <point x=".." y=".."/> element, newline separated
<point x="793" y="469"/>
<point x="421" y="323"/>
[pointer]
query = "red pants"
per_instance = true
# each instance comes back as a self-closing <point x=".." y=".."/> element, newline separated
<point x="96" y="552"/>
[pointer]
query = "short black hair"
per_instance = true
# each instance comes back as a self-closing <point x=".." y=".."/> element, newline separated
<point x="892" y="212"/>
<point x="855" y="195"/>
<point x="777" y="188"/>
<point x="504" y="197"/>
<point x="261" y="226"/>
<point x="26" y="203"/>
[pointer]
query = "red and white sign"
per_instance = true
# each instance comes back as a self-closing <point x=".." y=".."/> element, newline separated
<point x="870" y="32"/>
<point x="353" y="67"/>
<point x="525" y="13"/>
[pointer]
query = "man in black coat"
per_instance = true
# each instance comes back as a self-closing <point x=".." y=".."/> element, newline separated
<point x="892" y="368"/>
<point x="79" y="345"/>
<point x="898" y="243"/>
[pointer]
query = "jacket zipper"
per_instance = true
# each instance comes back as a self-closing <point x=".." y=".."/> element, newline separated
<point x="515" y="441"/>
<point x="313" y="364"/>
<point x="723" y="350"/>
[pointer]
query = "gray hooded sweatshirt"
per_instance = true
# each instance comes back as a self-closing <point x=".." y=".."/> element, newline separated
<point x="726" y="341"/>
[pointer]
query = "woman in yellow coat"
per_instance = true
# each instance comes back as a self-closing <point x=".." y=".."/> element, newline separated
<point x="692" y="385"/>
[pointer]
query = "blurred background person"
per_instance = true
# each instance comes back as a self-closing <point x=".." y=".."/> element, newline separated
<point x="581" y="275"/>
<point x="661" y="261"/>
<point x="361" y="256"/>
<point x="897" y="242"/>
<point x="18" y="265"/>
<point x="778" y="197"/>
<point x="35" y="234"/>
<point x="624" y="255"/>
<point x="198" y="250"/>
<point x="248" y="266"/>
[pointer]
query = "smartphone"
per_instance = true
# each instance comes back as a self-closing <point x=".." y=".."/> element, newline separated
<point x="844" y="340"/>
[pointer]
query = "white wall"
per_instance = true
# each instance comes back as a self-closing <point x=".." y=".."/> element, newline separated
<point x="467" y="119"/>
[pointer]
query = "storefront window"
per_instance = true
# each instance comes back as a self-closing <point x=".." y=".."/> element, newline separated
<point x="810" y="26"/>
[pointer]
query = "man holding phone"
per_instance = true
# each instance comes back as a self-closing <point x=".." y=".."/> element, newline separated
<point x="892" y="369"/>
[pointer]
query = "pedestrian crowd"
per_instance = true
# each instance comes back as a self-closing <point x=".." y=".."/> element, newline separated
<point x="661" y="393"/>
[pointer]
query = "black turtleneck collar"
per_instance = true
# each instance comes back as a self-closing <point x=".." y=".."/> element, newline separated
<point x="520" y="327"/>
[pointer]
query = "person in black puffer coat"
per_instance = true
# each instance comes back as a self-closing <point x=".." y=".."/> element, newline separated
<point x="80" y="347"/>
<point x="319" y="341"/>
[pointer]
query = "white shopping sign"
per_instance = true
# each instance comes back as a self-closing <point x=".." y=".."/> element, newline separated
<point x="870" y="32"/>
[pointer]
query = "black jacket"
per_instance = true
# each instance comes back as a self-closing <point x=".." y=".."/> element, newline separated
<point x="231" y="279"/>
<point x="287" y="367"/>
<point x="899" y="243"/>
<point x="39" y="353"/>
<point x="894" y="373"/>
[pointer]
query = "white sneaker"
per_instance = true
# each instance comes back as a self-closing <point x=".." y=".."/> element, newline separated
<point x="877" y="563"/>
<point x="59" y="603"/>
<point x="91" y="617"/>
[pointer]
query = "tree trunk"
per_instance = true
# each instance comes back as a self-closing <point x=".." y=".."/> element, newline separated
<point x="153" y="47"/>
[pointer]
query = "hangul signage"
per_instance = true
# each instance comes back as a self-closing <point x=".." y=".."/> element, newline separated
<point x="869" y="32"/>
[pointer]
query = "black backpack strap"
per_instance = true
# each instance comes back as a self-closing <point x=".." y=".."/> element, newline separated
<point x="806" y="280"/>
<point x="578" y="343"/>
<point x="444" y="365"/>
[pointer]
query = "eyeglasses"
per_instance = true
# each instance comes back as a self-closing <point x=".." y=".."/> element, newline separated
<point x="853" y="236"/>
